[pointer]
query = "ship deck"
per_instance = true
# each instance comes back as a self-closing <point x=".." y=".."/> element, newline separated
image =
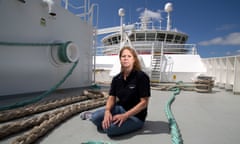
<point x="209" y="118"/>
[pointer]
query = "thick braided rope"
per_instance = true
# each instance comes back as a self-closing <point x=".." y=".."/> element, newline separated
<point x="17" y="126"/>
<point x="41" y="107"/>
<point x="55" y="119"/>
<point x="203" y="86"/>
<point x="33" y="109"/>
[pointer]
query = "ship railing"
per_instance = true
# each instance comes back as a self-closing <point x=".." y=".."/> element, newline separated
<point x="107" y="50"/>
<point x="147" y="46"/>
<point x="83" y="9"/>
<point x="225" y="71"/>
<point x="164" y="48"/>
<point x="152" y="26"/>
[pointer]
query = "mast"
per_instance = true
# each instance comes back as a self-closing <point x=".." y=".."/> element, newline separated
<point x="168" y="8"/>
<point x="121" y="13"/>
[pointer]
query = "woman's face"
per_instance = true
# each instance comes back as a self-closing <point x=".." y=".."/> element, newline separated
<point x="127" y="59"/>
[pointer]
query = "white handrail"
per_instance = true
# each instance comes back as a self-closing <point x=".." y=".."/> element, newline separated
<point x="225" y="70"/>
<point x="86" y="10"/>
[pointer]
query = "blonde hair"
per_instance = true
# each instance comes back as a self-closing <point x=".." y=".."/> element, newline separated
<point x="136" y="65"/>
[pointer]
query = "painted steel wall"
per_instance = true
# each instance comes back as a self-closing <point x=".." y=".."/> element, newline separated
<point x="25" y="69"/>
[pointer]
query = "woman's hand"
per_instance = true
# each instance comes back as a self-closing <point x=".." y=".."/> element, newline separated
<point x="119" y="119"/>
<point x="107" y="119"/>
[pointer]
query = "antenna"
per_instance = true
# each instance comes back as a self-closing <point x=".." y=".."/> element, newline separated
<point x="168" y="8"/>
<point x="121" y="13"/>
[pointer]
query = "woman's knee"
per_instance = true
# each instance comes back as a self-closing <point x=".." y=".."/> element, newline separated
<point x="115" y="130"/>
<point x="97" y="117"/>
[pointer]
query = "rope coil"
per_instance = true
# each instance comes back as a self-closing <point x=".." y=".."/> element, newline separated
<point x="43" y="123"/>
<point x="55" y="119"/>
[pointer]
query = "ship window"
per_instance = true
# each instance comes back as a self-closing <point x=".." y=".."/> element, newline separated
<point x="177" y="39"/>
<point x="169" y="37"/>
<point x="183" y="40"/>
<point x="119" y="39"/>
<point x="140" y="37"/>
<point x="109" y="42"/>
<point x="114" y="40"/>
<point x="131" y="37"/>
<point x="150" y="36"/>
<point x="160" y="36"/>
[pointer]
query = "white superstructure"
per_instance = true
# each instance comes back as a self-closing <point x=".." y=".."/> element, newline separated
<point x="165" y="55"/>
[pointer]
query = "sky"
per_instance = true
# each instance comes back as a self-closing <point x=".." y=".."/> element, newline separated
<point x="213" y="25"/>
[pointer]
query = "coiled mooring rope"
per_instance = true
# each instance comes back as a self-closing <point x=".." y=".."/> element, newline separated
<point x="38" y="108"/>
<point x="45" y="122"/>
<point x="55" y="119"/>
<point x="175" y="132"/>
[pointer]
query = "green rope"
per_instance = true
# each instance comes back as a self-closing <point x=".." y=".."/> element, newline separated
<point x="29" y="44"/>
<point x="61" y="50"/>
<point x="96" y="142"/>
<point x="95" y="86"/>
<point x="175" y="132"/>
<point x="26" y="102"/>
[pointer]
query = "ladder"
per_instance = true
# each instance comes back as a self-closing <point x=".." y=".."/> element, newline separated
<point x="156" y="64"/>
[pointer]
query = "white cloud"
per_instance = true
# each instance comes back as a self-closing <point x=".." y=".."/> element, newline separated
<point x="151" y="14"/>
<point x="238" y="52"/>
<point x="231" y="39"/>
<point x="139" y="9"/>
<point x="232" y="53"/>
<point x="228" y="53"/>
<point x="226" y="27"/>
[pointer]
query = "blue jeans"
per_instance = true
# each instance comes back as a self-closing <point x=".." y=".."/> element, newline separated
<point x="130" y="125"/>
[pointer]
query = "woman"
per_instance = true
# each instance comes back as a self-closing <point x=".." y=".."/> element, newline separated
<point x="126" y="107"/>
